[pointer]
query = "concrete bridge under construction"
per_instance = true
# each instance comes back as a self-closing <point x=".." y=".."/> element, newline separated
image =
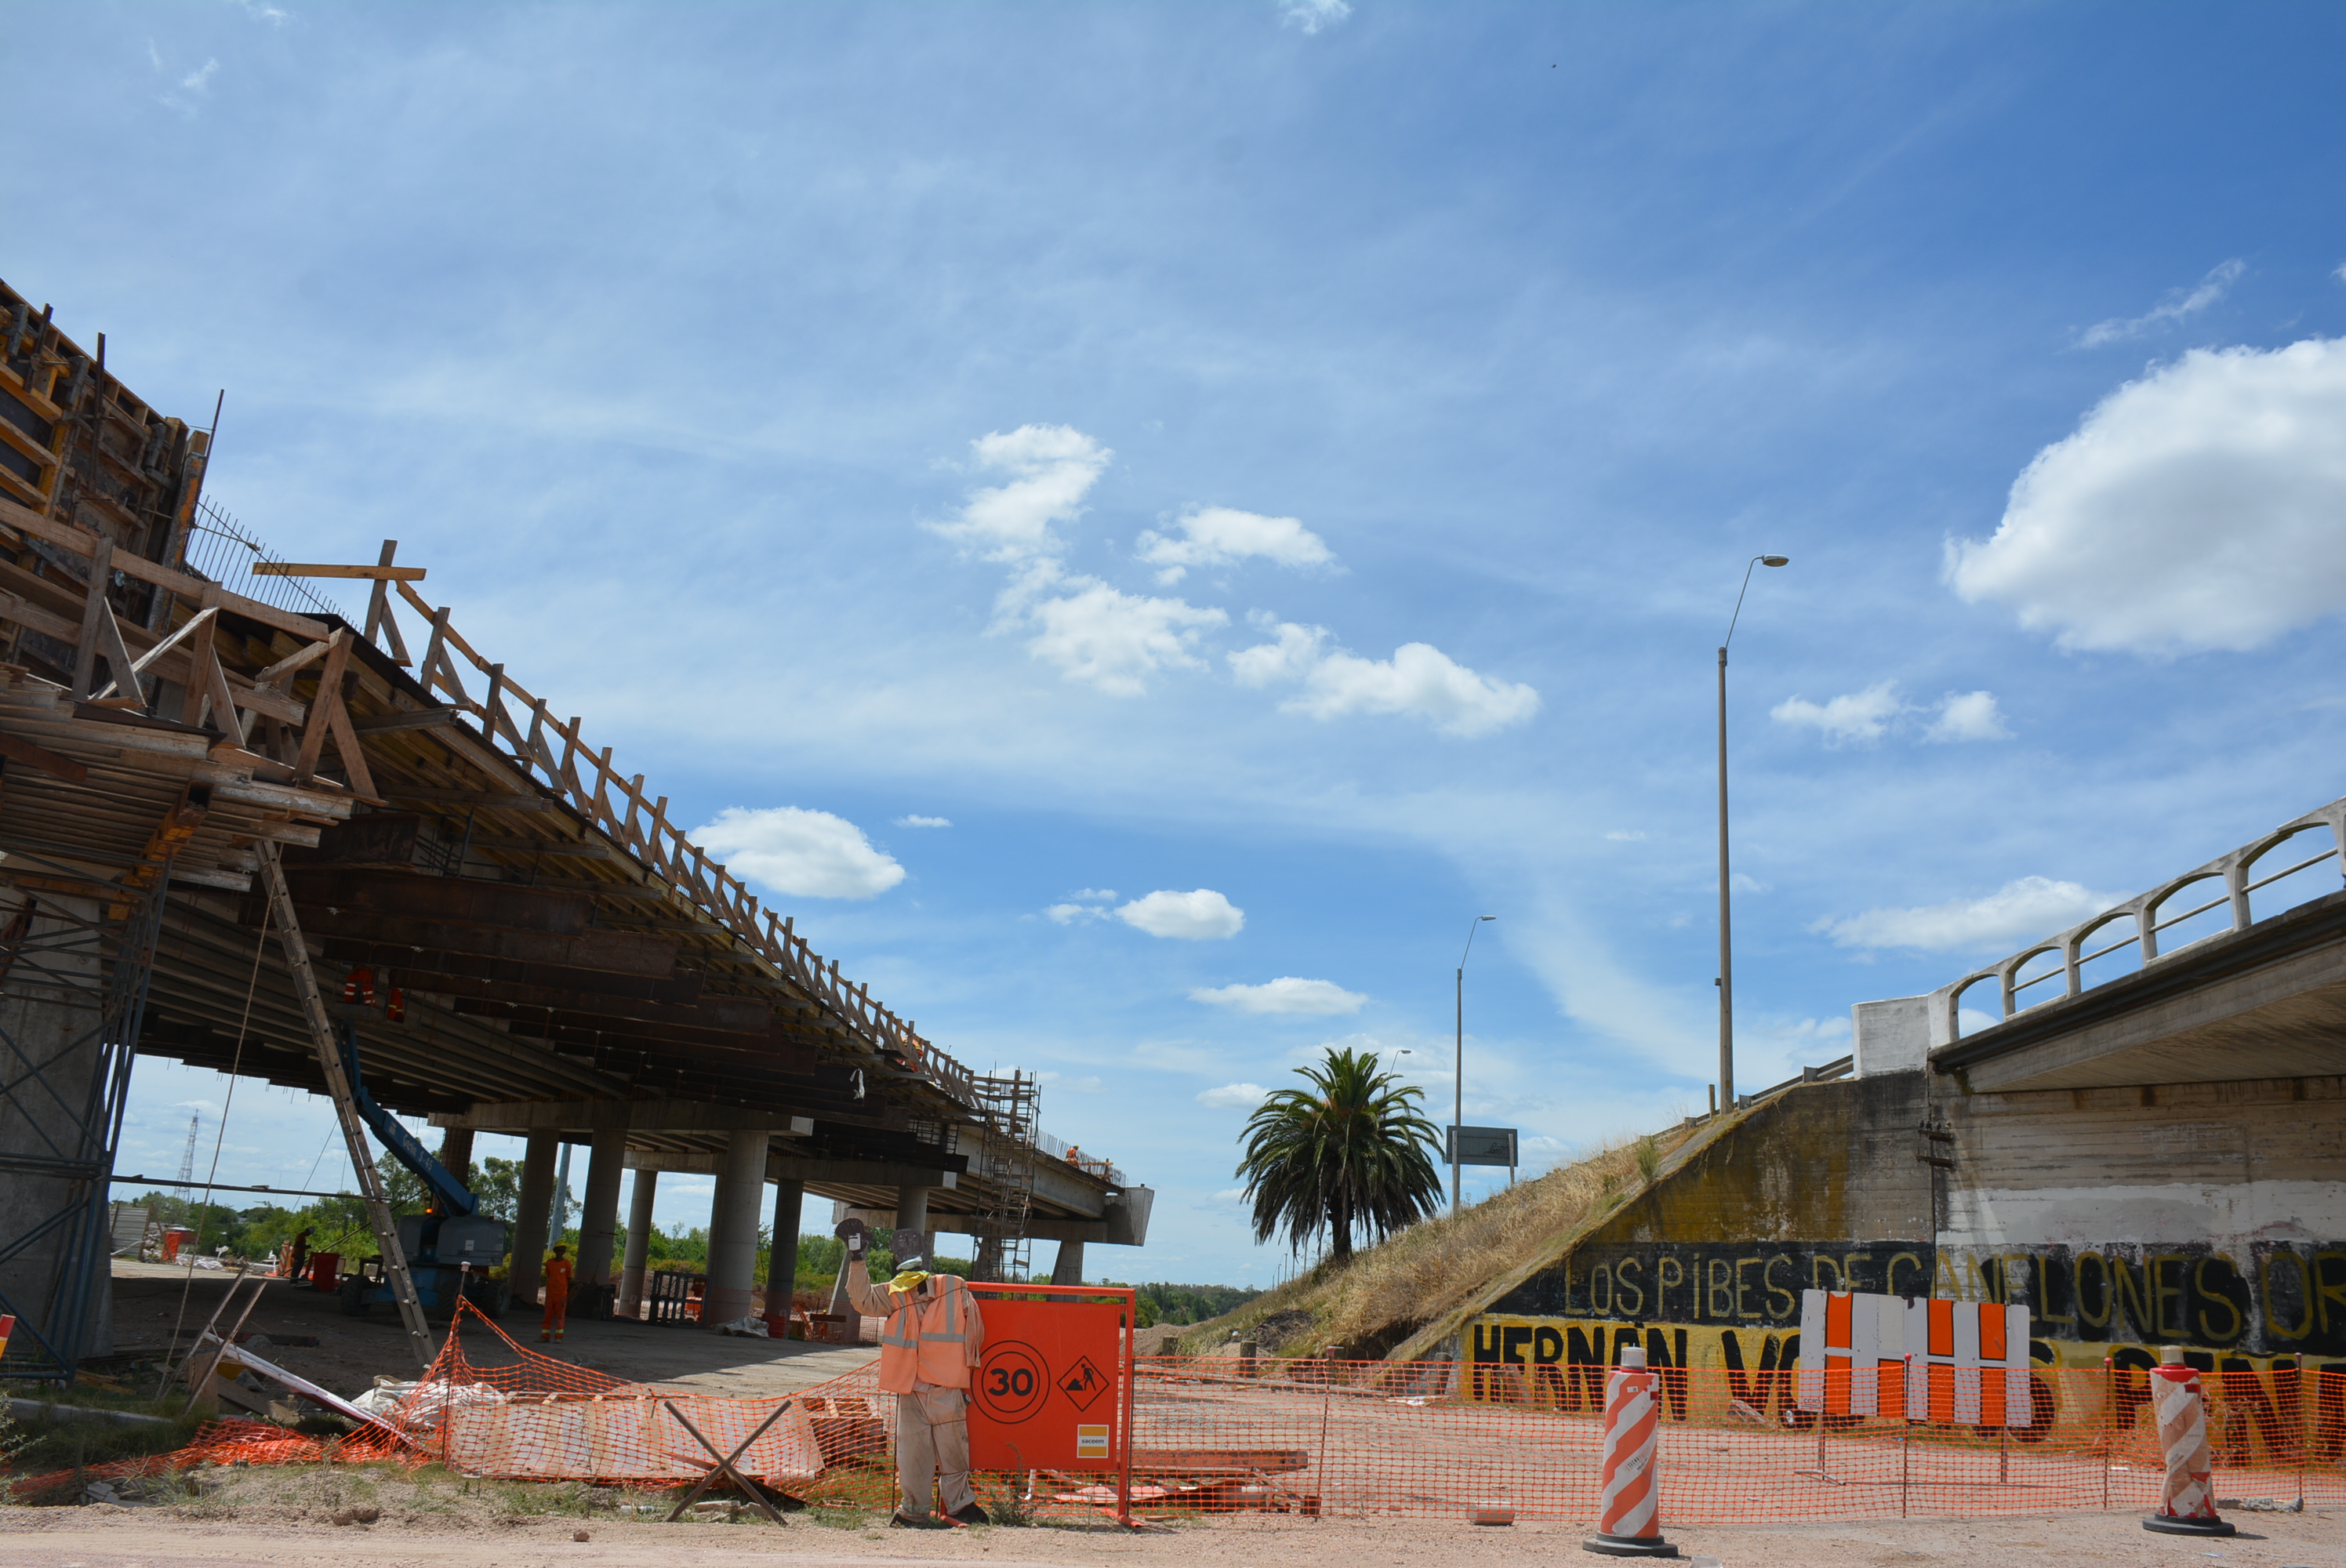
<point x="2132" y="1128"/>
<point x="218" y="795"/>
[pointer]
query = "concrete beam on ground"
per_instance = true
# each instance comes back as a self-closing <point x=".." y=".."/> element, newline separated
<point x="645" y="1116"/>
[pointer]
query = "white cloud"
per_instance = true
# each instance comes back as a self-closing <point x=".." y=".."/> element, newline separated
<point x="2019" y="912"/>
<point x="1855" y="715"/>
<point x="1968" y="716"/>
<point x="1289" y="656"/>
<point x="1867" y="715"/>
<point x="806" y="854"/>
<point x="1311" y="16"/>
<point x="200" y="79"/>
<point x="2178" y="304"/>
<point x="1084" y="1085"/>
<point x="1092" y="632"/>
<point x="1419" y="681"/>
<point x="1114" y="640"/>
<point x="1203" y="916"/>
<point x="1054" y="467"/>
<point x="1233" y="1097"/>
<point x="924" y="821"/>
<point x="1287" y="994"/>
<point x="1217" y="536"/>
<point x="1626" y="836"/>
<point x="1084" y="904"/>
<point x="2196" y="509"/>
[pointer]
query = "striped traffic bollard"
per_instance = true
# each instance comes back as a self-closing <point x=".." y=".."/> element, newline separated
<point x="2187" y="1506"/>
<point x="1628" y="1526"/>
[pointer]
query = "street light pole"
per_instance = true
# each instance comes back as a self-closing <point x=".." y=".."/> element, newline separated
<point x="1725" y="981"/>
<point x="1458" y="1077"/>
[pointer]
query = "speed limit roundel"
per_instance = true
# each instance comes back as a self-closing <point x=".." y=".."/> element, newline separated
<point x="1012" y="1380"/>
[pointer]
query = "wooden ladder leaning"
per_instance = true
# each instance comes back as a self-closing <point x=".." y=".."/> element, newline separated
<point x="330" y="1057"/>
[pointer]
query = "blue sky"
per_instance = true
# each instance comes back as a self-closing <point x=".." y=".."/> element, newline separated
<point x="822" y="400"/>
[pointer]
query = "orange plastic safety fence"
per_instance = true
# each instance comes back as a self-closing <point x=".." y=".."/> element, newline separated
<point x="231" y="1442"/>
<point x="1428" y="1438"/>
<point x="1440" y="1438"/>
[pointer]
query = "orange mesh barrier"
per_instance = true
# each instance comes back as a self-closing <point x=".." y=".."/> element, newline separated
<point x="227" y="1442"/>
<point x="1365" y="1439"/>
<point x="1436" y="1439"/>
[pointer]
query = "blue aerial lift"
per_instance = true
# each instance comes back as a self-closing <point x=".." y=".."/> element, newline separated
<point x="450" y="1246"/>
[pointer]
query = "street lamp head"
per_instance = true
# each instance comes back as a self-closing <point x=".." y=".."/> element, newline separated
<point x="1490" y="917"/>
<point x="1775" y="560"/>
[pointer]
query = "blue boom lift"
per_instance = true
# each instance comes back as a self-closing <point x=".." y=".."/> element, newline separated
<point x="450" y="1246"/>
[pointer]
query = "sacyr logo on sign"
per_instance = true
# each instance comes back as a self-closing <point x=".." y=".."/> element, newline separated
<point x="1012" y="1380"/>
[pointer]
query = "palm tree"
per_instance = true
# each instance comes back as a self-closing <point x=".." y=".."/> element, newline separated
<point x="1350" y="1153"/>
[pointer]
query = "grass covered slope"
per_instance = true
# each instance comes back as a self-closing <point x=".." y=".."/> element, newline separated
<point x="1404" y="1298"/>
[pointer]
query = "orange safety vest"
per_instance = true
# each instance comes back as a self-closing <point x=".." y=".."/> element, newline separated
<point x="928" y="1337"/>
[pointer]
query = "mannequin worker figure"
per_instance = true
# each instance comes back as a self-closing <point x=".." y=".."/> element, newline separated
<point x="557" y="1294"/>
<point x="930" y="1342"/>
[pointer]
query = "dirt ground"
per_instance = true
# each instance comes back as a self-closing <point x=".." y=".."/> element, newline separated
<point x="352" y="1351"/>
<point x="106" y="1537"/>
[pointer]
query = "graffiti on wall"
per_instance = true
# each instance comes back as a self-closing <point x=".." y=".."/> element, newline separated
<point x="2267" y="1300"/>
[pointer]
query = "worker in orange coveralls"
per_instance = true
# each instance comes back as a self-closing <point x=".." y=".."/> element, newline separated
<point x="933" y="1338"/>
<point x="558" y="1295"/>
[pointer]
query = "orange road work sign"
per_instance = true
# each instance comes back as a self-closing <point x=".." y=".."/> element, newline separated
<point x="1054" y="1389"/>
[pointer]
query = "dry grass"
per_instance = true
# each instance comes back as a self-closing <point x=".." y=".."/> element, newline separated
<point x="1388" y="1292"/>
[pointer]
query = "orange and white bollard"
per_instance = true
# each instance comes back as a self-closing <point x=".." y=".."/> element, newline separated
<point x="2187" y="1504"/>
<point x="1628" y="1524"/>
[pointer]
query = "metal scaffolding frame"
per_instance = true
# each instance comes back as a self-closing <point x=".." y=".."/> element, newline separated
<point x="100" y="969"/>
<point x="1009" y="1106"/>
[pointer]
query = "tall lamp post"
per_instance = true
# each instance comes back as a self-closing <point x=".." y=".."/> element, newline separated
<point x="1726" y="940"/>
<point x="1458" y="1079"/>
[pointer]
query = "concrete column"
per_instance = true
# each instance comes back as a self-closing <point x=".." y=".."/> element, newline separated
<point x="1067" y="1268"/>
<point x="456" y="1154"/>
<point x="530" y="1225"/>
<point x="598" y="1219"/>
<point x="733" y="1229"/>
<point x="911" y="1209"/>
<point x="47" y="1017"/>
<point x="639" y="1241"/>
<point x="782" y="1266"/>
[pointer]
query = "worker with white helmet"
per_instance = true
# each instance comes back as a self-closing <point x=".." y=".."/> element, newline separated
<point x="930" y="1341"/>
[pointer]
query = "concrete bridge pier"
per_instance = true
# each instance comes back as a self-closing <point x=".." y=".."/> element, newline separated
<point x="782" y="1266"/>
<point x="733" y="1228"/>
<point x="598" y="1221"/>
<point x="456" y="1154"/>
<point x="639" y="1241"/>
<point x="49" y="1058"/>
<point x="912" y="1210"/>
<point x="530" y="1225"/>
<point x="1067" y="1268"/>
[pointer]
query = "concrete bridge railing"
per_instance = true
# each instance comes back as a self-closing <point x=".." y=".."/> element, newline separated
<point x="2234" y="881"/>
